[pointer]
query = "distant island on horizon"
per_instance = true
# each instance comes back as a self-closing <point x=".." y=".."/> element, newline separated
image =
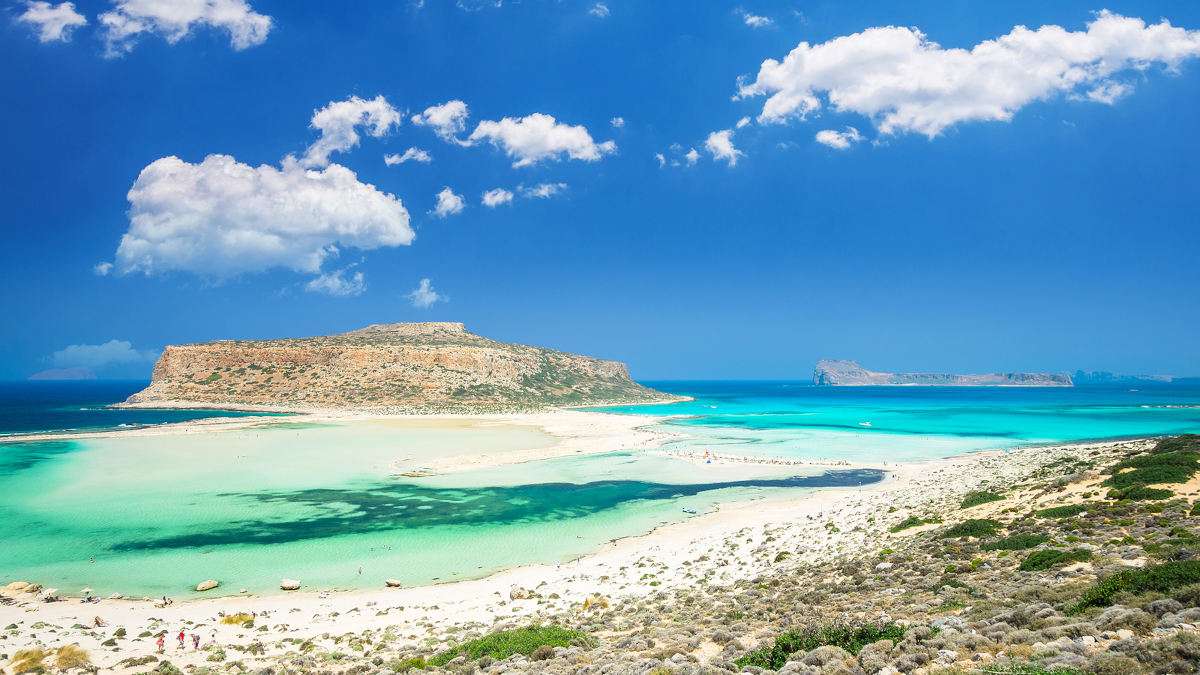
<point x="848" y="373"/>
<point x="841" y="373"/>
<point x="399" y="367"/>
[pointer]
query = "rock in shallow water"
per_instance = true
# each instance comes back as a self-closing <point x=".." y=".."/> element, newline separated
<point x="289" y="584"/>
<point x="207" y="585"/>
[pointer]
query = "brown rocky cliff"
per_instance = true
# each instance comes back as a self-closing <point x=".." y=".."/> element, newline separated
<point x="418" y="366"/>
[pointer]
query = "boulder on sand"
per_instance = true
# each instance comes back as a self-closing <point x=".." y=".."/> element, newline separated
<point x="517" y="593"/>
<point x="289" y="584"/>
<point x="392" y="583"/>
<point x="207" y="585"/>
<point x="17" y="586"/>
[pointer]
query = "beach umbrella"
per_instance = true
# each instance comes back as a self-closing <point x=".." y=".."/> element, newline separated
<point x="50" y="591"/>
<point x="86" y="590"/>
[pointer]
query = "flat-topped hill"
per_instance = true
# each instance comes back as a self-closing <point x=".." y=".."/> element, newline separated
<point x="411" y="366"/>
<point x="844" y="373"/>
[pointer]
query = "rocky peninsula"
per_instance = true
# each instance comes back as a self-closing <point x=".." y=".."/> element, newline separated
<point x="830" y="372"/>
<point x="389" y="368"/>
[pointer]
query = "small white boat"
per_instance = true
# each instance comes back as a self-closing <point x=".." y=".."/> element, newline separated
<point x="864" y="424"/>
<point x="691" y="511"/>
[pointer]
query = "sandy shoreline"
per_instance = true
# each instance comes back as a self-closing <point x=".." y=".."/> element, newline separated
<point x="737" y="541"/>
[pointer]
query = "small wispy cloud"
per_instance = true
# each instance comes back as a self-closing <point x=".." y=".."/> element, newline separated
<point x="424" y="296"/>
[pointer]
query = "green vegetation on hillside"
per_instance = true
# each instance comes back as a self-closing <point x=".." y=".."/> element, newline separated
<point x="1045" y="559"/>
<point x="913" y="521"/>
<point x="1164" y="577"/>
<point x="1017" y="542"/>
<point x="1068" y="511"/>
<point x="980" y="497"/>
<point x="850" y="637"/>
<point x="520" y="641"/>
<point x="974" y="528"/>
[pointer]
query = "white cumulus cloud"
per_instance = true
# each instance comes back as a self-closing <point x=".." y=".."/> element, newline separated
<point x="839" y="139"/>
<point x="338" y="283"/>
<point x="494" y="198"/>
<point x="755" y="21"/>
<point x="175" y="19"/>
<point x="424" y="296"/>
<point x="54" y="23"/>
<point x="448" y="203"/>
<point x="102" y="269"/>
<point x="410" y="155"/>
<point x="113" y="352"/>
<point x="692" y="157"/>
<point x="538" y="137"/>
<point x="904" y="82"/>
<point x="617" y="122"/>
<point x="339" y="121"/>
<point x="720" y="145"/>
<point x="221" y="218"/>
<point x="447" y="119"/>
<point x="542" y="190"/>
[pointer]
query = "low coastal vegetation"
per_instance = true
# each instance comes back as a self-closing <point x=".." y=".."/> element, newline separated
<point x="980" y="497"/>
<point x="845" y="637"/>
<point x="527" y="641"/>
<point x="975" y="527"/>
<point x="913" y="521"/>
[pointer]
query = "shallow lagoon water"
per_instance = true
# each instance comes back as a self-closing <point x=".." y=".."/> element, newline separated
<point x="317" y="502"/>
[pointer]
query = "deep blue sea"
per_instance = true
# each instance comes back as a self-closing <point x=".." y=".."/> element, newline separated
<point x="71" y="405"/>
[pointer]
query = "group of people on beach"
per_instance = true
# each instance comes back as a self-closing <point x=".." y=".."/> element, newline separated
<point x="183" y="637"/>
<point x="708" y="456"/>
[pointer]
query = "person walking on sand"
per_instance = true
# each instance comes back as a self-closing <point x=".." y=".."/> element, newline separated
<point x="195" y="641"/>
<point x="182" y="635"/>
<point x="160" y="641"/>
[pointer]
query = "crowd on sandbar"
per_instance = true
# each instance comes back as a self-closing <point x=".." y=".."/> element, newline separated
<point x="709" y="457"/>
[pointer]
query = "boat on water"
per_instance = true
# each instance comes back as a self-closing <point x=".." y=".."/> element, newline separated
<point x="864" y="424"/>
<point x="690" y="511"/>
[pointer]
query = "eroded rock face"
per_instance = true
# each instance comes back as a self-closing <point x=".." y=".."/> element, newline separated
<point x="831" y="372"/>
<point x="404" y="365"/>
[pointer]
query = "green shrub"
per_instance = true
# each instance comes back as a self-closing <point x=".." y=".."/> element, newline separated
<point x="409" y="664"/>
<point x="1017" y="542"/>
<point x="1162" y="578"/>
<point x="1140" y="492"/>
<point x="912" y="521"/>
<point x="1150" y="475"/>
<point x="1196" y="509"/>
<point x="504" y="644"/>
<point x="1041" y="560"/>
<point x="1180" y="443"/>
<point x="1068" y="511"/>
<point x="850" y="637"/>
<point x="1173" y="460"/>
<point x="974" y="528"/>
<point x="980" y="497"/>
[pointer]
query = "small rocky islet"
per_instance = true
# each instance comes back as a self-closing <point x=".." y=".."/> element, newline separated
<point x="1079" y="559"/>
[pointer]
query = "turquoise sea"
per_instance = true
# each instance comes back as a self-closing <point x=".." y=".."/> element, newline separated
<point x="160" y="513"/>
<point x="798" y="420"/>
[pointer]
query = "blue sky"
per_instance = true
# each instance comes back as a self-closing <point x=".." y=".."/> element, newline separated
<point x="1030" y="205"/>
